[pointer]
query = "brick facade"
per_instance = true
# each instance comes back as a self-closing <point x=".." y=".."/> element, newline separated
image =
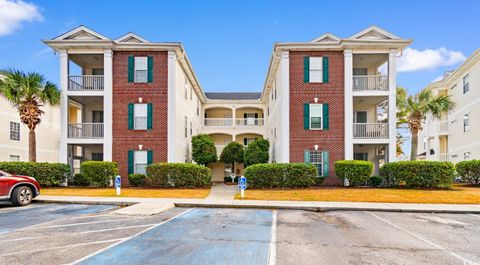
<point x="125" y="93"/>
<point x="332" y="139"/>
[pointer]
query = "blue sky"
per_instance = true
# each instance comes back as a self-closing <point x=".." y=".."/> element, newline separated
<point x="229" y="43"/>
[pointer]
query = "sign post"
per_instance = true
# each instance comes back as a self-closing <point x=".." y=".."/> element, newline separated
<point x="118" y="184"/>
<point x="242" y="185"/>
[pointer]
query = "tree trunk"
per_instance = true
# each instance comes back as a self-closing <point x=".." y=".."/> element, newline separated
<point x="233" y="168"/>
<point x="413" y="151"/>
<point x="32" y="146"/>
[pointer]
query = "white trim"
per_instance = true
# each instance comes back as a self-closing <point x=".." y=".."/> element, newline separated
<point x="285" y="111"/>
<point x="348" y="101"/>
<point x="376" y="29"/>
<point x="77" y="30"/>
<point x="171" y="106"/>
<point x="63" y="130"/>
<point x="107" y="105"/>
<point x="392" y="106"/>
<point x="327" y="36"/>
<point x="131" y="35"/>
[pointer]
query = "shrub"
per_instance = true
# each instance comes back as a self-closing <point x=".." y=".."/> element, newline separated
<point x="100" y="173"/>
<point x="288" y="175"/>
<point x="256" y="152"/>
<point x="178" y="175"/>
<point x="232" y="153"/>
<point x="81" y="180"/>
<point x="356" y="171"/>
<point x="469" y="171"/>
<point x="419" y="174"/>
<point x="203" y="149"/>
<point x="137" y="180"/>
<point x="375" y="181"/>
<point x="47" y="174"/>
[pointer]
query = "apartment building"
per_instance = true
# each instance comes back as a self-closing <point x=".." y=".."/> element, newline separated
<point x="14" y="136"/>
<point x="455" y="137"/>
<point x="136" y="102"/>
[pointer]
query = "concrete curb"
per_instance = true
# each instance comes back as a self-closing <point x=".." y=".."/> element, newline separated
<point x="120" y="203"/>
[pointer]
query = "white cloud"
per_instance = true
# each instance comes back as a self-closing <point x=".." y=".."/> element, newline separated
<point x="438" y="78"/>
<point x="415" y="60"/>
<point x="13" y="13"/>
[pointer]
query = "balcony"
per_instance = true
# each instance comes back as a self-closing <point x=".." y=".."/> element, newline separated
<point x="85" y="82"/>
<point x="218" y="122"/>
<point x="85" y="130"/>
<point x="443" y="126"/>
<point x="228" y="122"/>
<point x="370" y="83"/>
<point x="370" y="130"/>
<point x="249" y="122"/>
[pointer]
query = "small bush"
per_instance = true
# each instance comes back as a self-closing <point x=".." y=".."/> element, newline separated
<point x="419" y="174"/>
<point x="137" y="180"/>
<point x="469" y="171"/>
<point x="358" y="172"/>
<point x="100" y="173"/>
<point x="47" y="174"/>
<point x="288" y="175"/>
<point x="178" y="175"/>
<point x="256" y="152"/>
<point x="80" y="180"/>
<point x="375" y="181"/>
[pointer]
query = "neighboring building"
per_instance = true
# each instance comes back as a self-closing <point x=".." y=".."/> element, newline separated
<point x="134" y="102"/>
<point x="14" y="136"/>
<point x="455" y="137"/>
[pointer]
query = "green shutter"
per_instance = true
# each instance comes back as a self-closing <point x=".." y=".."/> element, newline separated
<point x="306" y="156"/>
<point x="306" y="116"/>
<point x="149" y="157"/>
<point x="130" y="162"/>
<point x="325" y="163"/>
<point x="130" y="116"/>
<point x="131" y="69"/>
<point x="325" y="117"/>
<point x="150" y="69"/>
<point x="325" y="69"/>
<point x="149" y="116"/>
<point x="306" y="69"/>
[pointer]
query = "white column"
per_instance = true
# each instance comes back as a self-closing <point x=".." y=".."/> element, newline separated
<point x="392" y="105"/>
<point x="172" y="57"/>
<point x="107" y="105"/>
<point x="234" y="116"/>
<point x="348" y="71"/>
<point x="63" y="150"/>
<point x="285" y="107"/>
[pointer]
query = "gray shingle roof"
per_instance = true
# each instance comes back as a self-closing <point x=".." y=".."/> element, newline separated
<point x="233" y="95"/>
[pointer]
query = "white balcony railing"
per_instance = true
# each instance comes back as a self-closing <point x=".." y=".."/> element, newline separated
<point x="370" y="83"/>
<point x="249" y="122"/>
<point x="218" y="122"/>
<point x="85" y="130"/>
<point x="370" y="130"/>
<point x="443" y="126"/>
<point x="85" y="82"/>
<point x="444" y="157"/>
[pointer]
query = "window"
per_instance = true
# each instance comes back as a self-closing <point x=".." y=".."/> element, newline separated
<point x="191" y="93"/>
<point x="316" y="159"/>
<point x="191" y="128"/>
<point x="360" y="156"/>
<point x="185" y="88"/>
<point x="14" y="131"/>
<point x="466" y="122"/>
<point x="186" y="129"/>
<point x="14" y="158"/>
<point x="316" y="70"/>
<point x="268" y="111"/>
<point x="97" y="156"/>
<point x="141" y="70"/>
<point x="316" y="113"/>
<point x="466" y="82"/>
<point x="140" y="162"/>
<point x="141" y="116"/>
<point x="198" y="107"/>
<point x="247" y="141"/>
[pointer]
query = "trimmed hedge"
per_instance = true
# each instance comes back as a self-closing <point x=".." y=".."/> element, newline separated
<point x="47" y="174"/>
<point x="288" y="175"/>
<point x="137" y="180"/>
<point x="99" y="173"/>
<point x="178" y="175"/>
<point x="469" y="171"/>
<point x="356" y="171"/>
<point x="375" y="181"/>
<point x="419" y="174"/>
<point x="80" y="180"/>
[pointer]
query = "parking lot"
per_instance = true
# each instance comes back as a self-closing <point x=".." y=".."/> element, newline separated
<point x="94" y="234"/>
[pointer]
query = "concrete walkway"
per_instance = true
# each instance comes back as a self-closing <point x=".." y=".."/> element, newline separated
<point x="221" y="192"/>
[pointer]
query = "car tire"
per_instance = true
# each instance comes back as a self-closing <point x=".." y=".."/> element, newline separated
<point x="22" y="196"/>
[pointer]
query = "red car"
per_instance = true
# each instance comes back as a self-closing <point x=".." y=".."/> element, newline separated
<point x="20" y="190"/>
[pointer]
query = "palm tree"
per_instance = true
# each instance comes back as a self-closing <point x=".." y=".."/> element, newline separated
<point x="28" y="92"/>
<point x="413" y="109"/>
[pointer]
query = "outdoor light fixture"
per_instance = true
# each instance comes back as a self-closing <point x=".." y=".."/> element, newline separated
<point x="316" y="147"/>
<point x="140" y="147"/>
<point x="140" y="100"/>
<point x="315" y="100"/>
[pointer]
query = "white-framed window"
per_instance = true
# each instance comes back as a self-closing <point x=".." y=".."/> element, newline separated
<point x="140" y="160"/>
<point x="466" y="122"/>
<point x="466" y="83"/>
<point x="14" y="131"/>
<point x="247" y="141"/>
<point x="316" y="159"/>
<point x="466" y="156"/>
<point x="198" y="107"/>
<point x="191" y="93"/>
<point x="316" y="70"/>
<point x="316" y="114"/>
<point x="191" y="128"/>
<point x="186" y="129"/>
<point x="140" y="116"/>
<point x="141" y="69"/>
<point x="14" y="158"/>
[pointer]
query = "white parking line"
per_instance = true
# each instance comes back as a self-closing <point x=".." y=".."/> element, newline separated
<point x="83" y="223"/>
<point x="66" y="246"/>
<point x="272" y="253"/>
<point x="461" y="258"/>
<point x="130" y="237"/>
<point x="117" y="228"/>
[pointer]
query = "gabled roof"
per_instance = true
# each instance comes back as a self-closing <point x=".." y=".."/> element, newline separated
<point x="374" y="33"/>
<point x="327" y="38"/>
<point x="131" y="37"/>
<point x="81" y="33"/>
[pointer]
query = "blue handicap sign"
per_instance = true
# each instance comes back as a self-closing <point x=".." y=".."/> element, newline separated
<point x="242" y="183"/>
<point x="118" y="182"/>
